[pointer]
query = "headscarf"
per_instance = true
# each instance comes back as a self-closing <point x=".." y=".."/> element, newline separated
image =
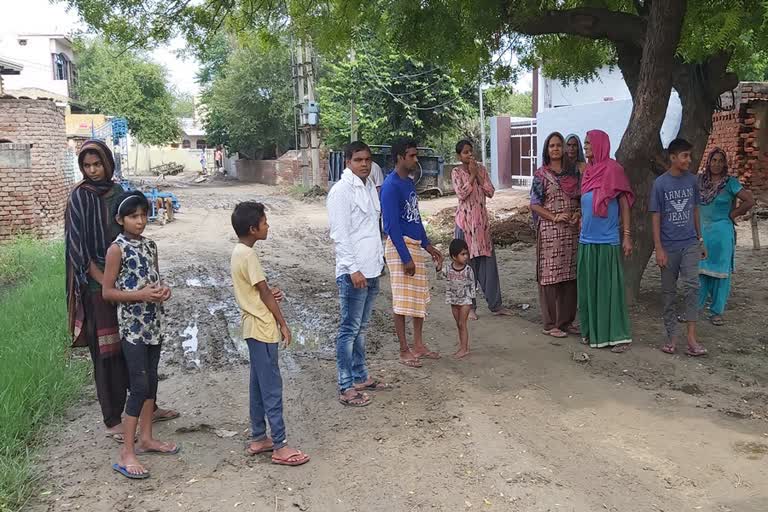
<point x="604" y="176"/>
<point x="580" y="153"/>
<point x="86" y="226"/>
<point x="708" y="189"/>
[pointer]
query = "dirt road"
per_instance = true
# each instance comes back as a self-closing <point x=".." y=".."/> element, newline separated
<point x="518" y="426"/>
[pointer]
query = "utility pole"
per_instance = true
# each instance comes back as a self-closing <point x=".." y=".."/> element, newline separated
<point x="482" y="122"/>
<point x="352" y="108"/>
<point x="309" y="120"/>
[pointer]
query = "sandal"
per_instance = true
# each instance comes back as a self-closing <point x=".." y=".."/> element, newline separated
<point x="573" y="329"/>
<point x="123" y="470"/>
<point x="359" y="400"/>
<point x="374" y="386"/>
<point x="555" y="333"/>
<point x="696" y="350"/>
<point x="669" y="348"/>
<point x="620" y="349"/>
<point x="251" y="453"/>
<point x="411" y="363"/>
<point x="164" y="415"/>
<point x="716" y="320"/>
<point x="295" y="459"/>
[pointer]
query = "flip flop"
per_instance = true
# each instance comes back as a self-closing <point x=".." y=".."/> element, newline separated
<point x="349" y="402"/>
<point x="668" y="348"/>
<point x="123" y="470"/>
<point x="716" y="320"/>
<point x="251" y="453"/>
<point x="139" y="451"/>
<point x="620" y="349"/>
<point x="118" y="438"/>
<point x="291" y="460"/>
<point x="428" y="355"/>
<point x="169" y="415"/>
<point x="375" y="386"/>
<point x="555" y="333"/>
<point x="696" y="351"/>
<point x="572" y="329"/>
<point x="411" y="363"/>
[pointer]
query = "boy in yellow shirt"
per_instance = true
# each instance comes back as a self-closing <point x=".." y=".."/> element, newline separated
<point x="263" y="328"/>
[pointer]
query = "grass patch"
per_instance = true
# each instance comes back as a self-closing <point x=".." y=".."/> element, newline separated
<point x="38" y="380"/>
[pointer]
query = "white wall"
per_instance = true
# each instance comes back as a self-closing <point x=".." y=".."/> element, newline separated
<point x="36" y="58"/>
<point x="610" y="116"/>
<point x="607" y="86"/>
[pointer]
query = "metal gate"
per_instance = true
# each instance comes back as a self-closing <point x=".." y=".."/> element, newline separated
<point x="523" y="152"/>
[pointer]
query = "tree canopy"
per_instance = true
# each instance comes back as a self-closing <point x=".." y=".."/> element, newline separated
<point x="125" y="83"/>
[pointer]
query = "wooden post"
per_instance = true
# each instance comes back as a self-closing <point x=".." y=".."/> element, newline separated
<point x="755" y="231"/>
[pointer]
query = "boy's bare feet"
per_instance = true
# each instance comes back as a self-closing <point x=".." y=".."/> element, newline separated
<point x="131" y="464"/>
<point x="260" y="446"/>
<point x="472" y="315"/>
<point x="156" y="446"/>
<point x="287" y="456"/>
<point x="461" y="353"/>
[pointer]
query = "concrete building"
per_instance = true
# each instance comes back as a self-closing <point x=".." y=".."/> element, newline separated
<point x="48" y="60"/>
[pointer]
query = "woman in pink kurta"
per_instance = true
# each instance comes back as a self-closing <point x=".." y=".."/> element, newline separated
<point x="473" y="185"/>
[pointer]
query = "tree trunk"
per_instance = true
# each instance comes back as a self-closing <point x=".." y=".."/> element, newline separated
<point x="641" y="144"/>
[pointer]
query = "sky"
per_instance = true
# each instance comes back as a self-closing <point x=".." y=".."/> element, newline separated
<point x="40" y="16"/>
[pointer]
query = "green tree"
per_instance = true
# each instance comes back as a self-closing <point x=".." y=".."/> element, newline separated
<point x="503" y="99"/>
<point x="689" y="45"/>
<point x="183" y="104"/>
<point x="126" y="83"/>
<point x="249" y="102"/>
<point x="394" y="95"/>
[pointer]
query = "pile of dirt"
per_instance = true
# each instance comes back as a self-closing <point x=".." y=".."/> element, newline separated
<point x="508" y="225"/>
<point x="315" y="191"/>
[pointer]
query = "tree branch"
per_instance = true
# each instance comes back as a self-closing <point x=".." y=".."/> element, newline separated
<point x="592" y="23"/>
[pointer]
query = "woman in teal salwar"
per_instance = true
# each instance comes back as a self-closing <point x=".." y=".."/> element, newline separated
<point x="719" y="192"/>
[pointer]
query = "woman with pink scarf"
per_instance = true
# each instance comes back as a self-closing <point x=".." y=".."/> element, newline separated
<point x="606" y="198"/>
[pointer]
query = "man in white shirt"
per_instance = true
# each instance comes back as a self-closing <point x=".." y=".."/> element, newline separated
<point x="353" y="214"/>
<point x="377" y="176"/>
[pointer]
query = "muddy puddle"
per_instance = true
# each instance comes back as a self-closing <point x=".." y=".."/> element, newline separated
<point x="202" y="323"/>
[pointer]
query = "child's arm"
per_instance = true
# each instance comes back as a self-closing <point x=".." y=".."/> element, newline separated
<point x="269" y="300"/>
<point x="151" y="293"/>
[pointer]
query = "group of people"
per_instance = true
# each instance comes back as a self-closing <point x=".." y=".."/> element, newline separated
<point x="581" y="200"/>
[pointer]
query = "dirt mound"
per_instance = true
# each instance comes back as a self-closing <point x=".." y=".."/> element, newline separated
<point x="508" y="225"/>
<point x="315" y="191"/>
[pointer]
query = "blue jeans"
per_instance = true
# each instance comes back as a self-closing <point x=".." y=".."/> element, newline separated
<point x="356" y="308"/>
<point x="266" y="392"/>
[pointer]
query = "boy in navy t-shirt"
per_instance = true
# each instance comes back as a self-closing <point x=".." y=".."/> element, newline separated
<point x="678" y="243"/>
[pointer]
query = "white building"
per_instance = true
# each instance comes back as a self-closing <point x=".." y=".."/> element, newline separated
<point x="603" y="103"/>
<point x="48" y="60"/>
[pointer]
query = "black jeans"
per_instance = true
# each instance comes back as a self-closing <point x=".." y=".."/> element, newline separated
<point x="142" y="361"/>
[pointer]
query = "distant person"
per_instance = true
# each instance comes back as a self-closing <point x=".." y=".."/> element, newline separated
<point x="132" y="281"/>
<point x="675" y="200"/>
<point x="407" y="240"/>
<point x="203" y="161"/>
<point x="263" y="327"/>
<point x="574" y="153"/>
<point x="719" y="212"/>
<point x="460" y="290"/>
<point x="606" y="199"/>
<point x="218" y="157"/>
<point x="90" y="228"/>
<point x="555" y="206"/>
<point x="353" y="215"/>
<point x="473" y="185"/>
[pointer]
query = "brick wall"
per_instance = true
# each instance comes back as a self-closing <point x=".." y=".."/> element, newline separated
<point x="33" y="192"/>
<point x="284" y="171"/>
<point x="743" y="134"/>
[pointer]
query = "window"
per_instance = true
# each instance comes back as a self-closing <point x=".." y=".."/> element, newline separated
<point x="185" y="144"/>
<point x="201" y="144"/>
<point x="61" y="66"/>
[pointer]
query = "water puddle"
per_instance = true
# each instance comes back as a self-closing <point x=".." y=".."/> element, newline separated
<point x="190" y="343"/>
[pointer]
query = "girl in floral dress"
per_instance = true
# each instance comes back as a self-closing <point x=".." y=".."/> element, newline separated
<point x="460" y="291"/>
<point x="132" y="280"/>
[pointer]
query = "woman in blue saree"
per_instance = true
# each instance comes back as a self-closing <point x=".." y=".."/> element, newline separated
<point x="719" y="192"/>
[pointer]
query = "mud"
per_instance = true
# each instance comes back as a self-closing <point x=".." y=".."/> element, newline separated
<point x="521" y="425"/>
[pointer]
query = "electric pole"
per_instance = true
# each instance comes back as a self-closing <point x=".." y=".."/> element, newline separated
<point x="309" y="115"/>
<point x="352" y="108"/>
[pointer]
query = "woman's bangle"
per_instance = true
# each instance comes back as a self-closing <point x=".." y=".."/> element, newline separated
<point x="627" y="232"/>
